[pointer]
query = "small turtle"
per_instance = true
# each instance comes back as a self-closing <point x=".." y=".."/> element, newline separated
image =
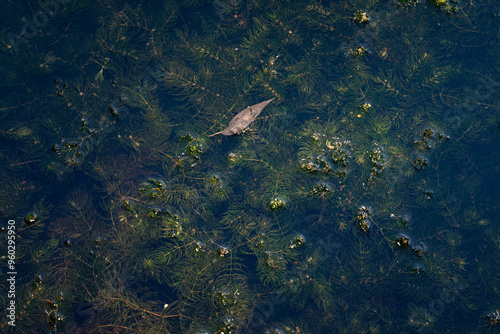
<point x="244" y="118"/>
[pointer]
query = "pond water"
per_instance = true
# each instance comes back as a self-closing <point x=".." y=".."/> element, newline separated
<point x="363" y="199"/>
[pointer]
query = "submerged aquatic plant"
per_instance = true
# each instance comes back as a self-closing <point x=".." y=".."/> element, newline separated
<point x="150" y="225"/>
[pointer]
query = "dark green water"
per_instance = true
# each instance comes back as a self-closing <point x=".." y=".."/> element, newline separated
<point x="363" y="199"/>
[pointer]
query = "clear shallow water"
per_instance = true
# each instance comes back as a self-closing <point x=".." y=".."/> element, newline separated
<point x="363" y="199"/>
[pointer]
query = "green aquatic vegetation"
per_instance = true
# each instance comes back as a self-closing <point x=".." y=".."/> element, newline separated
<point x="447" y="6"/>
<point x="34" y="222"/>
<point x="493" y="318"/>
<point x="325" y="152"/>
<point x="216" y="186"/>
<point x="277" y="204"/>
<point x="182" y="233"/>
<point x="361" y="17"/>
<point x="402" y="242"/>
<point x="363" y="219"/>
<point x="44" y="252"/>
<point x="322" y="190"/>
<point x="303" y="75"/>
<point x="378" y="164"/>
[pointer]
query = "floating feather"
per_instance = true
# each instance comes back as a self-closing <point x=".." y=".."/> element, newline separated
<point x="244" y="118"/>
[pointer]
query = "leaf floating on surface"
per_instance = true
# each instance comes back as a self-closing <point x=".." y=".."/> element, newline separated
<point x="243" y="119"/>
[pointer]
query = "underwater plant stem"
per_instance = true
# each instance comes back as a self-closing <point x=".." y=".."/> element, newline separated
<point x="23" y="163"/>
<point x="137" y="308"/>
